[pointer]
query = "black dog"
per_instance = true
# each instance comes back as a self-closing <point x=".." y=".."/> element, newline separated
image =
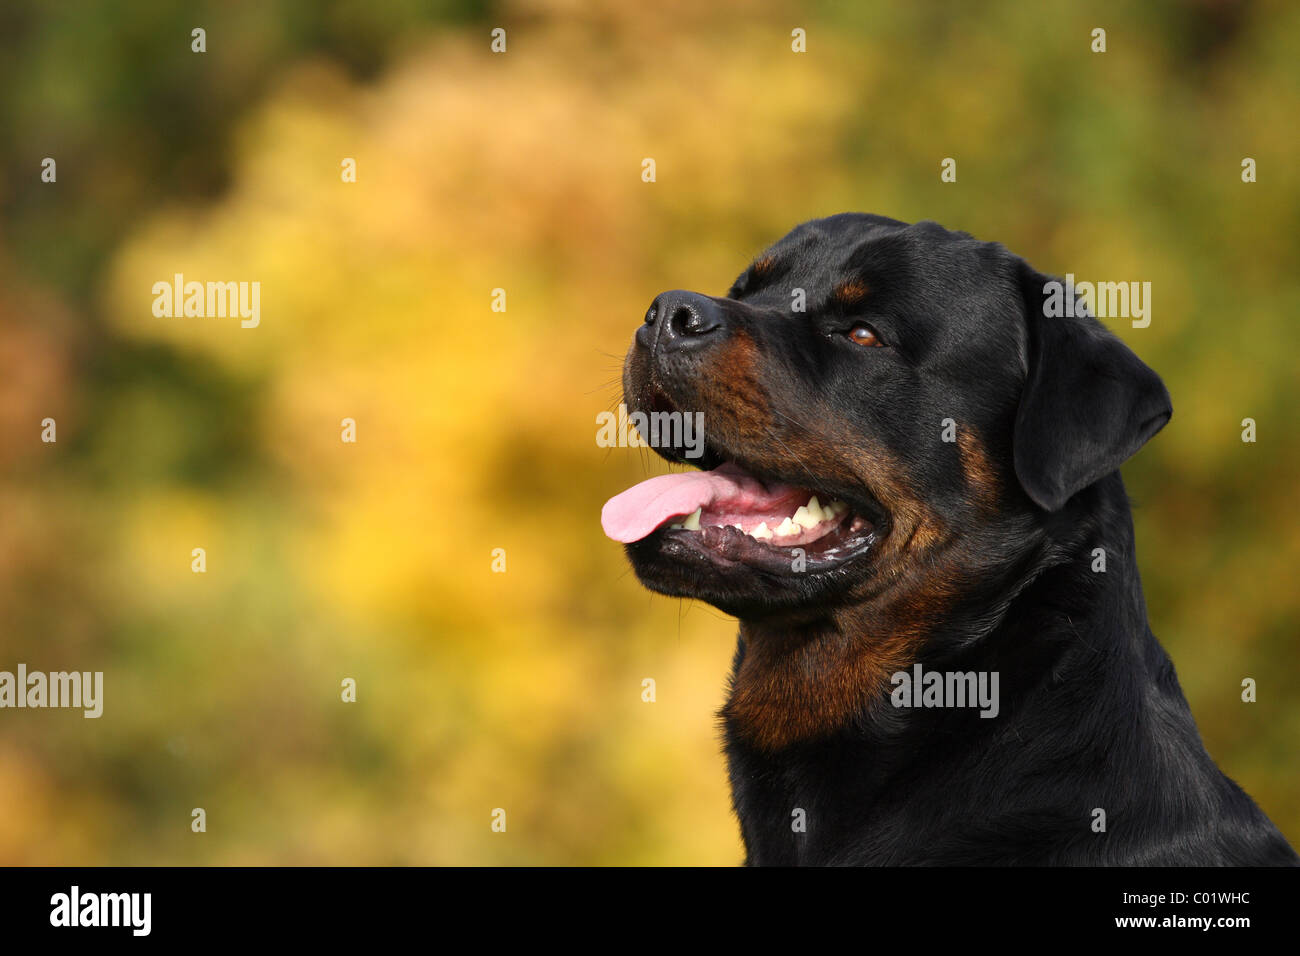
<point x="970" y="542"/>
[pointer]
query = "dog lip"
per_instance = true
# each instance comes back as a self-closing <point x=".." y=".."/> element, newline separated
<point x="728" y="548"/>
<point x="860" y="502"/>
<point x="860" y="528"/>
<point x="653" y="396"/>
<point x="714" y="456"/>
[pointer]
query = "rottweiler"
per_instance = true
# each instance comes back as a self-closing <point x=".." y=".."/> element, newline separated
<point x="909" y="495"/>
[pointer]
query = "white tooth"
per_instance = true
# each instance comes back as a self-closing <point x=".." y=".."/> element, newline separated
<point x="761" y="532"/>
<point x="675" y="527"/>
<point x="787" y="527"/>
<point x="838" y="507"/>
<point x="807" y="518"/>
<point x="692" y="522"/>
<point x="815" y="509"/>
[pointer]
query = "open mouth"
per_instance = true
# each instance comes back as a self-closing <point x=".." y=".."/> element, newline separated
<point x="731" y="516"/>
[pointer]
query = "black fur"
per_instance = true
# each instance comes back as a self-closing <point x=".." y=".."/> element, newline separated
<point x="1091" y="715"/>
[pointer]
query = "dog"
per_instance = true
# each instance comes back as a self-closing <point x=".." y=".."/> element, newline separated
<point x="909" y="496"/>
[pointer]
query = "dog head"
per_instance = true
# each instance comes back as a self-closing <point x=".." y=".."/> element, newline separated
<point x="873" y="393"/>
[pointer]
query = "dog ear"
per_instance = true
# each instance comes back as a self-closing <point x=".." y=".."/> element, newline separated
<point x="1088" y="403"/>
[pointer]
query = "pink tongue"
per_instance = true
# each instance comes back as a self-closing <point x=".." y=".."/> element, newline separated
<point x="636" y="512"/>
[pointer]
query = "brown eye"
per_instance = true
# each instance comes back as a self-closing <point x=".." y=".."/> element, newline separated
<point x="863" y="335"/>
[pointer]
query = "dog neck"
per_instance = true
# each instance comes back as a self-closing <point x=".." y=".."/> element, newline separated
<point x="822" y="690"/>
<point x="801" y="677"/>
<point x="815" y="677"/>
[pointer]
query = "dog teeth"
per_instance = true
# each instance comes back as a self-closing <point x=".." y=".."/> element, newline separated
<point x="805" y="518"/>
<point x="810" y="515"/>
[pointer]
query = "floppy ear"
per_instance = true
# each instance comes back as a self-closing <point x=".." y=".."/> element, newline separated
<point x="1088" y="404"/>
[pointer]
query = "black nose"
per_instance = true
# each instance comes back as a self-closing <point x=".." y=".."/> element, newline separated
<point x="681" y="320"/>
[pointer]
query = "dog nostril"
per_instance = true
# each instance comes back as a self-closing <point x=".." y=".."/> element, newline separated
<point x="687" y="321"/>
<point x="678" y="319"/>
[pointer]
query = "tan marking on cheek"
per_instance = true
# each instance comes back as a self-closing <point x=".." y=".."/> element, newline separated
<point x="763" y="265"/>
<point x="925" y="534"/>
<point x="914" y="526"/>
<point x="978" y="470"/>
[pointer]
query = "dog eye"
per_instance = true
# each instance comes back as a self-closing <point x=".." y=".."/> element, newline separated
<point x="864" y="335"/>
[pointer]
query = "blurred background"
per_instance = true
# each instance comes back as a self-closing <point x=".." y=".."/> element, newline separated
<point x="476" y="429"/>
